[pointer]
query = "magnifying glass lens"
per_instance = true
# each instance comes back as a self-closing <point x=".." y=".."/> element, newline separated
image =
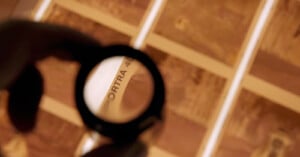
<point x="118" y="89"/>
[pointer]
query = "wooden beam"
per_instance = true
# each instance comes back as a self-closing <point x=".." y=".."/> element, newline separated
<point x="276" y="94"/>
<point x="189" y="55"/>
<point x="157" y="152"/>
<point x="61" y="110"/>
<point x="98" y="16"/>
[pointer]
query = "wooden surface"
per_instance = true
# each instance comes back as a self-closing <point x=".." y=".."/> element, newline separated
<point x="191" y="91"/>
<point x="216" y="28"/>
<point x="278" y="60"/>
<point x="106" y="36"/>
<point x="130" y="11"/>
<point x="191" y="96"/>
<point x="180" y="136"/>
<point x="7" y="8"/>
<point x="260" y="128"/>
<point x="191" y="39"/>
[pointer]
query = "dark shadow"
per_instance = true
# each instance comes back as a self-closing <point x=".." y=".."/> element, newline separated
<point x="133" y="149"/>
<point x="24" y="98"/>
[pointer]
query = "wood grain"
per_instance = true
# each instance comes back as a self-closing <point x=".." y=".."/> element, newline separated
<point x="51" y="136"/>
<point x="278" y="61"/>
<point x="131" y="11"/>
<point x="216" y="28"/>
<point x="260" y="128"/>
<point x="7" y="8"/>
<point x="59" y="76"/>
<point x="191" y="96"/>
<point x="106" y="36"/>
<point x="191" y="91"/>
<point x="179" y="135"/>
<point x="277" y="71"/>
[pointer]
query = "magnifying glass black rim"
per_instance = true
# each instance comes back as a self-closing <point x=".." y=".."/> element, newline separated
<point x="126" y="130"/>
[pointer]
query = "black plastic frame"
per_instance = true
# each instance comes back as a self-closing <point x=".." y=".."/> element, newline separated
<point x="121" y="132"/>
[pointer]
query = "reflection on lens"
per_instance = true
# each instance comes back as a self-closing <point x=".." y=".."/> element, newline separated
<point x="118" y="89"/>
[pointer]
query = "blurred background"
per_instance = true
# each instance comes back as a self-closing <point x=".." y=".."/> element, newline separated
<point x="197" y="45"/>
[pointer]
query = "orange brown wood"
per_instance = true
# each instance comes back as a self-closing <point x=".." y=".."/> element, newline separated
<point x="192" y="95"/>
<point x="278" y="60"/>
<point x="215" y="28"/>
<point x="260" y="128"/>
<point x="126" y="10"/>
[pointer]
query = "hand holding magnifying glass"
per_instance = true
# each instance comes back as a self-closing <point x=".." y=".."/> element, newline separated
<point x="22" y="43"/>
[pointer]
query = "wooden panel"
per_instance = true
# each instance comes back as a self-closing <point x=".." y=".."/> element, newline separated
<point x="131" y="11"/>
<point x="98" y="16"/>
<point x="216" y="28"/>
<point x="59" y="76"/>
<point x="260" y="128"/>
<point x="191" y="91"/>
<point x="106" y="36"/>
<point x="6" y="8"/>
<point x="191" y="96"/>
<point x="51" y="136"/>
<point x="278" y="61"/>
<point x="180" y="136"/>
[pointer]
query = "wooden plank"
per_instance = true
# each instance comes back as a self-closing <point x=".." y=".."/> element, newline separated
<point x="67" y="113"/>
<point x="277" y="71"/>
<point x="126" y="10"/>
<point x="68" y="17"/>
<point x="260" y="128"/>
<point x="278" y="61"/>
<point x="98" y="16"/>
<point x="155" y="152"/>
<point x="189" y="55"/>
<point x="215" y="28"/>
<point x="274" y="93"/>
<point x="179" y="136"/>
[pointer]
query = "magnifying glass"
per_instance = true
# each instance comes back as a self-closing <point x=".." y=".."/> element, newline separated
<point x="121" y="94"/>
<point x="119" y="90"/>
